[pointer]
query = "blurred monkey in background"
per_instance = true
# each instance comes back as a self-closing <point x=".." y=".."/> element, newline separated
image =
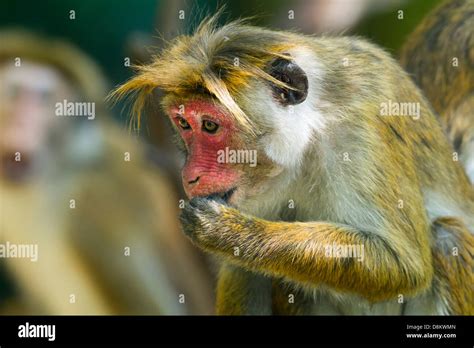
<point x="439" y="55"/>
<point x="335" y="16"/>
<point x="102" y="217"/>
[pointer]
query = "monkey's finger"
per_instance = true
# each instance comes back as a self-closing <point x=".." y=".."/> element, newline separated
<point x="189" y="220"/>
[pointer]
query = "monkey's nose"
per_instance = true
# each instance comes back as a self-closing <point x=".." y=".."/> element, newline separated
<point x="190" y="182"/>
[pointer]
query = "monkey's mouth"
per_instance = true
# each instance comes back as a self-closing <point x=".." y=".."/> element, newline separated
<point x="225" y="196"/>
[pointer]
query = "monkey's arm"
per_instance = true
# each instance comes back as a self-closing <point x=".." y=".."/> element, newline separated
<point x="297" y="251"/>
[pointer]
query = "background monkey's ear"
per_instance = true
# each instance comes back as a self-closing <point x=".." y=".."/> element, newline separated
<point x="292" y="75"/>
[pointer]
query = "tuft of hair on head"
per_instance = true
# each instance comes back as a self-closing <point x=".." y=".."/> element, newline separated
<point x="207" y="60"/>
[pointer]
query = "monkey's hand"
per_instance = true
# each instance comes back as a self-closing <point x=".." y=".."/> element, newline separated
<point x="304" y="251"/>
<point x="240" y="292"/>
<point x="202" y="220"/>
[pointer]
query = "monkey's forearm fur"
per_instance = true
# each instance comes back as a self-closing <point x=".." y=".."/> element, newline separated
<point x="296" y="251"/>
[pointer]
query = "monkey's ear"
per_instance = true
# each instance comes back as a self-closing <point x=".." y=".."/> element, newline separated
<point x="292" y="75"/>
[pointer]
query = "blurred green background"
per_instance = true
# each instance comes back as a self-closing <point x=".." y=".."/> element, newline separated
<point x="110" y="30"/>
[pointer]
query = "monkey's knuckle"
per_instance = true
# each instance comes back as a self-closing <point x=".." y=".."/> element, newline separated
<point x="197" y="224"/>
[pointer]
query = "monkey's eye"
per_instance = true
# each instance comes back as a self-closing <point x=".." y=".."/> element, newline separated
<point x="209" y="126"/>
<point x="183" y="123"/>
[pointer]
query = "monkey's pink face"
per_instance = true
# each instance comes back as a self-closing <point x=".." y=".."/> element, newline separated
<point x="206" y="131"/>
